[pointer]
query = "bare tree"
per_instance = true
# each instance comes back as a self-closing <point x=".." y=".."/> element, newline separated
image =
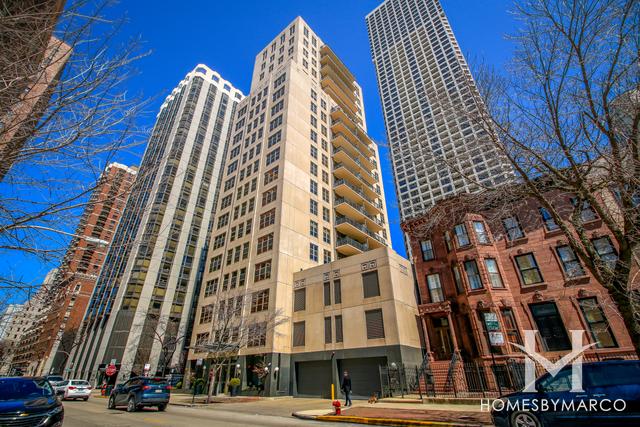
<point x="566" y="115"/>
<point x="64" y="113"/>
<point x="235" y="325"/>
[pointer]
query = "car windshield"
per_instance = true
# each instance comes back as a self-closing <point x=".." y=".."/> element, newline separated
<point x="85" y="383"/>
<point x="155" y="381"/>
<point x="63" y="383"/>
<point x="22" y="389"/>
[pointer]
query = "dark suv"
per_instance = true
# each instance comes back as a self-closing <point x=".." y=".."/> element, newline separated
<point x="139" y="392"/>
<point x="29" y="401"/>
<point x="611" y="397"/>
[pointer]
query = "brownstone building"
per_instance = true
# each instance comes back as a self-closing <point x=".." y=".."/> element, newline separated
<point x="487" y="275"/>
<point x="79" y="270"/>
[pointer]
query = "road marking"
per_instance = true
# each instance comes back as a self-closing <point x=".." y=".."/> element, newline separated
<point x="153" y="421"/>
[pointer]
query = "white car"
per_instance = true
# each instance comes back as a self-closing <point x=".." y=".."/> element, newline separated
<point x="76" y="389"/>
<point x="59" y="386"/>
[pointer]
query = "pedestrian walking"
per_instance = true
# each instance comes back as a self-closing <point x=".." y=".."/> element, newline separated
<point x="346" y="388"/>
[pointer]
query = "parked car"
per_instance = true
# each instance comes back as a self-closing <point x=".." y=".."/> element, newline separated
<point x="76" y="389"/>
<point x="139" y="392"/>
<point x="59" y="386"/>
<point x="54" y="378"/>
<point x="29" y="401"/>
<point x="612" y="386"/>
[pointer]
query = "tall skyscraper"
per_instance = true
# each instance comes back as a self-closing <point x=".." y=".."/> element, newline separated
<point x="144" y="293"/>
<point x="79" y="270"/>
<point x="302" y="194"/>
<point x="429" y="101"/>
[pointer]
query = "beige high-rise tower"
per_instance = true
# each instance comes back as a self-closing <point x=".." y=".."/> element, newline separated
<point x="301" y="195"/>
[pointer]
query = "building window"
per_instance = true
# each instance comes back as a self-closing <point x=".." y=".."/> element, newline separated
<point x="510" y="326"/>
<point x="327" y="256"/>
<point x="300" y="299"/>
<point x="375" y="324"/>
<point x="327" y="330"/>
<point x="313" y="252"/>
<point x="262" y="271"/>
<point x="211" y="287"/>
<point x="606" y="251"/>
<point x="298" y="334"/>
<point x="570" y="263"/>
<point x="206" y="315"/>
<point x="547" y="219"/>
<point x="313" y="228"/>
<point x="552" y="331"/>
<point x="257" y="335"/>
<point x="260" y="301"/>
<point x="598" y="324"/>
<point x="269" y="196"/>
<point x="462" y="238"/>
<point x="512" y="226"/>
<point x="268" y="218"/>
<point x="370" y="284"/>
<point x="494" y="273"/>
<point x="338" y="322"/>
<point x="326" y="235"/>
<point x="327" y="293"/>
<point x="473" y="275"/>
<point x="313" y="187"/>
<point x="337" y="292"/>
<point x="586" y="212"/>
<point x="481" y="232"/>
<point x="427" y="250"/>
<point x="270" y="176"/>
<point x="313" y="207"/>
<point x="265" y="243"/>
<point x="202" y="339"/>
<point x="457" y="278"/>
<point x="528" y="268"/>
<point x="447" y="241"/>
<point x="435" y="288"/>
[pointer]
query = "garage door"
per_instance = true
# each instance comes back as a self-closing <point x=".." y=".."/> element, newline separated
<point x="314" y="378"/>
<point x="364" y="373"/>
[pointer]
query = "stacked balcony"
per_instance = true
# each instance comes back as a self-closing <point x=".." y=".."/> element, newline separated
<point x="358" y="206"/>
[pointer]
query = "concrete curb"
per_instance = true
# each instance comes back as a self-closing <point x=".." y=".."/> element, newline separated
<point x="381" y="421"/>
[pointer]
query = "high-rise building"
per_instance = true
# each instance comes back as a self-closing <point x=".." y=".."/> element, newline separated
<point x="302" y="200"/>
<point x="431" y="107"/>
<point x="143" y="296"/>
<point x="79" y="270"/>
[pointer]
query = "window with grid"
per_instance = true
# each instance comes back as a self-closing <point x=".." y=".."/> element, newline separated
<point x="260" y="301"/>
<point x="202" y="338"/>
<point x="547" y="219"/>
<point x="512" y="227"/>
<point x="242" y="276"/>
<point x="457" y="278"/>
<point x="327" y="256"/>
<point x="374" y="323"/>
<point x="269" y="196"/>
<point x="270" y="176"/>
<point x="427" y="250"/>
<point x="586" y="211"/>
<point x="216" y="263"/>
<point x="313" y="252"/>
<point x="370" y="284"/>
<point x="570" y="262"/>
<point x="606" y="251"/>
<point x="435" y="287"/>
<point x="206" y="314"/>
<point x="298" y="334"/>
<point x="211" y="287"/>
<point x="328" y="339"/>
<point x="528" y="268"/>
<point x="326" y="235"/>
<point x="300" y="299"/>
<point x="473" y="275"/>
<point x="597" y="322"/>
<point x="338" y="322"/>
<point x="462" y="237"/>
<point x="268" y="218"/>
<point x="481" y="232"/>
<point x="313" y="228"/>
<point x="494" y="273"/>
<point x="262" y="271"/>
<point x="313" y="207"/>
<point x="265" y="243"/>
<point x="257" y="335"/>
<point x="510" y="325"/>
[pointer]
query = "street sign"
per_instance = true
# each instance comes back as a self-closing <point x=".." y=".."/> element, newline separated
<point x="496" y="339"/>
<point x="491" y="321"/>
<point x="111" y="370"/>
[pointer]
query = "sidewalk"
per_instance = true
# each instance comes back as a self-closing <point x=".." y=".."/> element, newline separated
<point x="404" y="414"/>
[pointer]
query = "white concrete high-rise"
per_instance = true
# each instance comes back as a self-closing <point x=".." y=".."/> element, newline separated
<point x="145" y="290"/>
<point x="428" y="99"/>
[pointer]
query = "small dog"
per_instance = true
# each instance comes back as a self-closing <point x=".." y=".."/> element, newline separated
<point x="373" y="398"/>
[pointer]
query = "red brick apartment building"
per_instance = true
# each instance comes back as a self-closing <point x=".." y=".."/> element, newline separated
<point x="514" y="263"/>
<point x="80" y="268"/>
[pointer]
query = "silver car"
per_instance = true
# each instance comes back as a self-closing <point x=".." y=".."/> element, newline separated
<point x="59" y="386"/>
<point x="76" y="389"/>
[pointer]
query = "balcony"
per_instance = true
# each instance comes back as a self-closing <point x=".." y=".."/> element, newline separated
<point x="358" y="212"/>
<point x="340" y="122"/>
<point x="342" y="171"/>
<point x="348" y="246"/>
<point x="340" y="140"/>
<point x="329" y="59"/>
<point x="346" y="189"/>
<point x="350" y="227"/>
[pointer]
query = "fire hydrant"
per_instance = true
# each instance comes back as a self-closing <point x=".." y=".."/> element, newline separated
<point x="336" y="406"/>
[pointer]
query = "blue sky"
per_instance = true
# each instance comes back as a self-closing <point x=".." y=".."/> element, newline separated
<point x="226" y="35"/>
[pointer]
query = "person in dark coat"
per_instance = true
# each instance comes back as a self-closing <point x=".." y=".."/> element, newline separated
<point x="346" y="388"/>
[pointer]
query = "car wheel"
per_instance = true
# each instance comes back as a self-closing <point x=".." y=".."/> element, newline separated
<point x="131" y="405"/>
<point x="524" y="419"/>
<point x="112" y="403"/>
<point x="85" y="399"/>
<point x="161" y="408"/>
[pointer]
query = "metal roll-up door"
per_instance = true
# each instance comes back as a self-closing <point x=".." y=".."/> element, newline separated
<point x="364" y="373"/>
<point x="314" y="378"/>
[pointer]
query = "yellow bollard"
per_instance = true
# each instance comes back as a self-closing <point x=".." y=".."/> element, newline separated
<point x="333" y="392"/>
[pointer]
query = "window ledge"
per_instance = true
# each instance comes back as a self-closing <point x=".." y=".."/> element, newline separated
<point x="578" y="280"/>
<point x="477" y="291"/>
<point x="516" y="242"/>
<point x="594" y="223"/>
<point x="552" y="233"/>
<point x="534" y="287"/>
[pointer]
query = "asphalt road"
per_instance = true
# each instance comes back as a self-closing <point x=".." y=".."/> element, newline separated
<point x="95" y="413"/>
